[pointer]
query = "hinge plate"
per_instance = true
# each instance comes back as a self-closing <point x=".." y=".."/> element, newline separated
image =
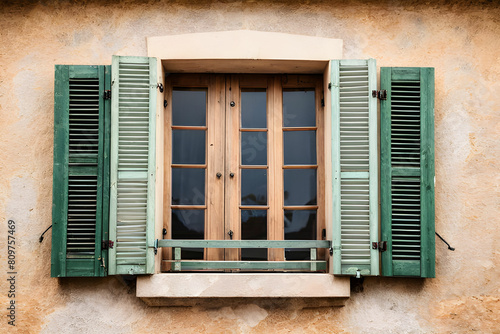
<point x="381" y="246"/>
<point x="381" y="94"/>
<point x="107" y="244"/>
<point x="106" y="95"/>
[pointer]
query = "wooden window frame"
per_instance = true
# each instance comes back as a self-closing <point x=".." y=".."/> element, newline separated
<point x="224" y="122"/>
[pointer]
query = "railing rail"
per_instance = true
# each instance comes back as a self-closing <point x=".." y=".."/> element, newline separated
<point x="306" y="265"/>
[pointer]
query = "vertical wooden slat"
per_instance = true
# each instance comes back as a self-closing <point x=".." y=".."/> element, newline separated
<point x="60" y="172"/>
<point x="427" y="172"/>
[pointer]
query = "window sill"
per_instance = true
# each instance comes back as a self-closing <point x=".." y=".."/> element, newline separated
<point x="158" y="289"/>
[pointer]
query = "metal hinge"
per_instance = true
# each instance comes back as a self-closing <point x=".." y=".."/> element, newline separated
<point x="107" y="244"/>
<point x="381" y="94"/>
<point x="106" y="95"/>
<point x="381" y="246"/>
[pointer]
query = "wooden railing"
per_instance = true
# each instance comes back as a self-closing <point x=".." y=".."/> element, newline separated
<point x="179" y="264"/>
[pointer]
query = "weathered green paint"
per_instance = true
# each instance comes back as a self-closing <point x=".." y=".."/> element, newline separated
<point x="425" y="266"/>
<point x="251" y="265"/>
<point x="368" y="263"/>
<point x="137" y="265"/>
<point x="60" y="171"/>
<point x="64" y="265"/>
<point x="385" y="171"/>
<point x="191" y="243"/>
<point x="336" y="172"/>
<point x="427" y="173"/>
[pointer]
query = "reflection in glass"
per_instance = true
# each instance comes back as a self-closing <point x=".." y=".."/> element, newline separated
<point x="254" y="227"/>
<point x="254" y="148"/>
<point x="299" y="225"/>
<point x="253" y="109"/>
<point x="188" y="146"/>
<point x="300" y="147"/>
<point x="254" y="187"/>
<point x="189" y="224"/>
<point x="300" y="186"/>
<point x="188" y="186"/>
<point x="189" y="107"/>
<point x="299" y="108"/>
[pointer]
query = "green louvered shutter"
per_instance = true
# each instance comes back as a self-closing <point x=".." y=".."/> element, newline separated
<point x="407" y="171"/>
<point x="81" y="171"/>
<point x="133" y="116"/>
<point x="354" y="162"/>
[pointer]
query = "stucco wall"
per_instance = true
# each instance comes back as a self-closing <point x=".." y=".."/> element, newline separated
<point x="460" y="40"/>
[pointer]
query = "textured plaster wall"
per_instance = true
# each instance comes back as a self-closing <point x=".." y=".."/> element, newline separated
<point x="460" y="39"/>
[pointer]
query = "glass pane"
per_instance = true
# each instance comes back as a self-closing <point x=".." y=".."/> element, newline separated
<point x="254" y="148"/>
<point x="188" y="186"/>
<point x="189" y="107"/>
<point x="188" y="146"/>
<point x="253" y="109"/>
<point x="300" y="147"/>
<point x="300" y="186"/>
<point x="254" y="186"/>
<point x="299" y="225"/>
<point x="254" y="227"/>
<point x="189" y="224"/>
<point x="299" y="108"/>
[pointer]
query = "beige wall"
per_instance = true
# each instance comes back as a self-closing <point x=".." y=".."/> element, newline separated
<point x="460" y="40"/>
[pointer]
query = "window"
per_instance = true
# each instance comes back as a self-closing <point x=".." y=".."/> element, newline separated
<point x="244" y="160"/>
<point x="106" y="154"/>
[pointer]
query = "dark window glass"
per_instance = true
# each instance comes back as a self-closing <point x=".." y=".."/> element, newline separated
<point x="300" y="186"/>
<point x="299" y="108"/>
<point x="188" y="186"/>
<point x="299" y="225"/>
<point x="254" y="227"/>
<point x="189" y="107"/>
<point x="299" y="147"/>
<point x="253" y="109"/>
<point x="254" y="186"/>
<point x="189" y="224"/>
<point x="188" y="146"/>
<point x="254" y="148"/>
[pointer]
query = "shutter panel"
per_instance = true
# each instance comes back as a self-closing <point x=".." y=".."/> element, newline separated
<point x="133" y="165"/>
<point x="81" y="171"/>
<point x="407" y="171"/>
<point x="354" y="161"/>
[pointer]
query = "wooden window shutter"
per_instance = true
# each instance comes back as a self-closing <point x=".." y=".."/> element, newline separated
<point x="354" y="163"/>
<point x="81" y="171"/>
<point x="132" y="202"/>
<point x="407" y="171"/>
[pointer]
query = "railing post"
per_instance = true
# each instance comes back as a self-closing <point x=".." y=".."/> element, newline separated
<point x="313" y="258"/>
<point x="177" y="258"/>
